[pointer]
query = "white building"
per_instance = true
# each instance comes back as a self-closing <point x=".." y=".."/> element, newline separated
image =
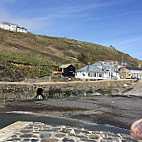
<point x="100" y="70"/>
<point x="131" y="72"/>
<point x="12" y="27"/>
<point x="21" y="29"/>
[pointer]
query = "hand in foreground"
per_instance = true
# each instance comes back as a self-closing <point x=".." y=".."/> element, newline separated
<point x="136" y="129"/>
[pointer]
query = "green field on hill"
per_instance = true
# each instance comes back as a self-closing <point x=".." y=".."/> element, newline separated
<point x="33" y="56"/>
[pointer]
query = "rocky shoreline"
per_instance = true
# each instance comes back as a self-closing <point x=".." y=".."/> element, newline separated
<point x="119" y="111"/>
<point x="116" y="110"/>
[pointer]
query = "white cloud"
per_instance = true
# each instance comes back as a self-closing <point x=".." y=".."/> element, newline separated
<point x="30" y="24"/>
<point x="130" y="40"/>
<point x="130" y="45"/>
<point x="68" y="11"/>
<point x="8" y="1"/>
<point x="77" y="10"/>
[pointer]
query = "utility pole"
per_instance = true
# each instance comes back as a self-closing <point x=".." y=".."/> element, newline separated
<point x="122" y="59"/>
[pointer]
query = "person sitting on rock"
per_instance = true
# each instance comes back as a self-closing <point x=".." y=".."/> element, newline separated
<point x="136" y="130"/>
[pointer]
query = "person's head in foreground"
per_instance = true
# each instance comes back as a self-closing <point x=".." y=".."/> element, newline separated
<point x="136" y="129"/>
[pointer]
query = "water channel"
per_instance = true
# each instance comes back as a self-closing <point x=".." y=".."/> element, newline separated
<point x="9" y="118"/>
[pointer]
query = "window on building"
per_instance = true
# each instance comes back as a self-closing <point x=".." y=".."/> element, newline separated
<point x="95" y="75"/>
<point x="100" y="75"/>
<point x="89" y="74"/>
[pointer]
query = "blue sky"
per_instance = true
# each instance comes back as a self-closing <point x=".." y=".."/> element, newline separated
<point x="105" y="22"/>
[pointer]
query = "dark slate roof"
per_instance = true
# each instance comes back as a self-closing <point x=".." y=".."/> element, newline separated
<point x="23" y="28"/>
<point x="6" y="23"/>
<point x="133" y="68"/>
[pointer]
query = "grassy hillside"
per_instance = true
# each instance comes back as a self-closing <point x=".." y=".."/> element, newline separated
<point x="27" y="55"/>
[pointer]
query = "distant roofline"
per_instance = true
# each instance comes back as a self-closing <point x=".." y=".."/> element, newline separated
<point x="4" y="22"/>
<point x="64" y="65"/>
<point x="133" y="68"/>
<point x="87" y="67"/>
<point x="23" y="28"/>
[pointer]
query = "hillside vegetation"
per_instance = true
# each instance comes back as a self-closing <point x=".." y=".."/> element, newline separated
<point x="32" y="56"/>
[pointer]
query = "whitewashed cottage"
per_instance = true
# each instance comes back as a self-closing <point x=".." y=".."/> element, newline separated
<point x="99" y="71"/>
<point x="12" y="27"/>
<point x="21" y="29"/>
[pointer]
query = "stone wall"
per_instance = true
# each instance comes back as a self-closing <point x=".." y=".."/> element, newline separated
<point x="40" y="132"/>
<point x="23" y="91"/>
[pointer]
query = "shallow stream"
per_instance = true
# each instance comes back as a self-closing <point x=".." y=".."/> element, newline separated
<point x="9" y="118"/>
